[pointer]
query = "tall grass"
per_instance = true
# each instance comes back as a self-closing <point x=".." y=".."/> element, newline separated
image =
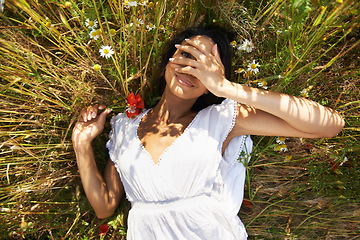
<point x="47" y="75"/>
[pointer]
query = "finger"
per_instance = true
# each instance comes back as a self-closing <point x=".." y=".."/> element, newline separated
<point x="188" y="70"/>
<point x="184" y="62"/>
<point x="91" y="113"/>
<point x="102" y="116"/>
<point x="198" y="45"/>
<point x="215" y="52"/>
<point x="191" y="50"/>
<point x="83" y="115"/>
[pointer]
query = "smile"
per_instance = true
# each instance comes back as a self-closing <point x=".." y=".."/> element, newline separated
<point x="183" y="80"/>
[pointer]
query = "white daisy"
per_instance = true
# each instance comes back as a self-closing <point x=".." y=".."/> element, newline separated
<point x="247" y="46"/>
<point x="281" y="148"/>
<point x="128" y="4"/>
<point x="94" y="34"/>
<point x="281" y="140"/>
<point x="263" y="84"/>
<point x="150" y="26"/>
<point x="106" y="51"/>
<point x="304" y="93"/>
<point x="91" y="23"/>
<point x="253" y="66"/>
<point x="139" y="22"/>
<point x="239" y="70"/>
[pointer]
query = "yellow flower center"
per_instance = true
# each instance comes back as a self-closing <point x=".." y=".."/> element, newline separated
<point x="151" y="4"/>
<point x="253" y="66"/>
<point x="106" y="51"/>
<point x="278" y="147"/>
<point x="151" y="25"/>
<point x="94" y="33"/>
<point x="281" y="139"/>
<point x="126" y="2"/>
<point x="249" y="73"/>
<point x="97" y="67"/>
<point x="48" y="24"/>
<point x="264" y="83"/>
<point x="112" y="31"/>
<point x="288" y="157"/>
<point x="91" y="23"/>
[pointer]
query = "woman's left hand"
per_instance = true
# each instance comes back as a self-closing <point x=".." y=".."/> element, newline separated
<point x="203" y="63"/>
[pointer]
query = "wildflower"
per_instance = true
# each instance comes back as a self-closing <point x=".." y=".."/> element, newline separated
<point x="288" y="157"/>
<point x="48" y="25"/>
<point x="112" y="32"/>
<point x="91" y="23"/>
<point x="134" y="105"/>
<point x="239" y="70"/>
<point x="281" y="148"/>
<point x="339" y="1"/>
<point x="161" y="26"/>
<point x="67" y="4"/>
<point x="281" y="140"/>
<point x="233" y="43"/>
<point x="247" y="203"/>
<point x="263" y="84"/>
<point x="344" y="161"/>
<point x="305" y="91"/>
<point x="139" y="22"/>
<point x="247" y="74"/>
<point x="150" y="26"/>
<point x="128" y="4"/>
<point x="103" y="229"/>
<point x="302" y="140"/>
<point x="279" y="32"/>
<point x="97" y="67"/>
<point x="247" y="46"/>
<point x="115" y="101"/>
<point x="94" y="34"/>
<point x="106" y="51"/>
<point x="253" y="67"/>
<point x="151" y="5"/>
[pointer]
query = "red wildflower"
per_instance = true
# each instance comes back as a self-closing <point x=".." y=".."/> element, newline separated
<point x="134" y="105"/>
<point x="247" y="203"/>
<point x="103" y="229"/>
<point x="335" y="165"/>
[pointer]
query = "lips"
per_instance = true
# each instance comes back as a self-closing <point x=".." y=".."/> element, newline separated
<point x="185" y="81"/>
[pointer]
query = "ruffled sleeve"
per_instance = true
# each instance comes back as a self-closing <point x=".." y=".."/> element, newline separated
<point x="117" y="133"/>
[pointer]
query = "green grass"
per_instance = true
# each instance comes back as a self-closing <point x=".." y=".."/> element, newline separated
<point x="47" y="76"/>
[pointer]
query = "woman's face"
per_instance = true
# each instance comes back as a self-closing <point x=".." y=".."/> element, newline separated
<point x="186" y="86"/>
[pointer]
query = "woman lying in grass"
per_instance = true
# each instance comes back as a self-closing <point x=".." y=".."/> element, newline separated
<point x="181" y="162"/>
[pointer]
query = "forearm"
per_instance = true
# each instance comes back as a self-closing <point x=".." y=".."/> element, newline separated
<point x="93" y="183"/>
<point x="302" y="114"/>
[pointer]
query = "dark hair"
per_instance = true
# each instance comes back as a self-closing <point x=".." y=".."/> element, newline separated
<point x="219" y="36"/>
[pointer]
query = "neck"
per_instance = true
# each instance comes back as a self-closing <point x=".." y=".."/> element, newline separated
<point x="171" y="108"/>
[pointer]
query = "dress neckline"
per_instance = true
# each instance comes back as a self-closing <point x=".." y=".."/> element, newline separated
<point x="168" y="147"/>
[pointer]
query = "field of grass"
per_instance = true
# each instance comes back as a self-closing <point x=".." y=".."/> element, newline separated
<point x="51" y="67"/>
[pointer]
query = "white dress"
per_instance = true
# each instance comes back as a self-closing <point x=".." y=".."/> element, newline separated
<point x="194" y="192"/>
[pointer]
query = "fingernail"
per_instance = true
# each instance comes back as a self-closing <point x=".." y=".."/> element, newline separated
<point x="177" y="45"/>
<point x="176" y="69"/>
<point x="94" y="115"/>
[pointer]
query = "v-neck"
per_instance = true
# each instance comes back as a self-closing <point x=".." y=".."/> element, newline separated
<point x="168" y="147"/>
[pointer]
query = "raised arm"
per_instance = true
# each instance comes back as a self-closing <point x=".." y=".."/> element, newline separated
<point x="261" y="112"/>
<point x="103" y="193"/>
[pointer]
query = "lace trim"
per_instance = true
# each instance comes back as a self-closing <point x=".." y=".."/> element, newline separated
<point x="168" y="147"/>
